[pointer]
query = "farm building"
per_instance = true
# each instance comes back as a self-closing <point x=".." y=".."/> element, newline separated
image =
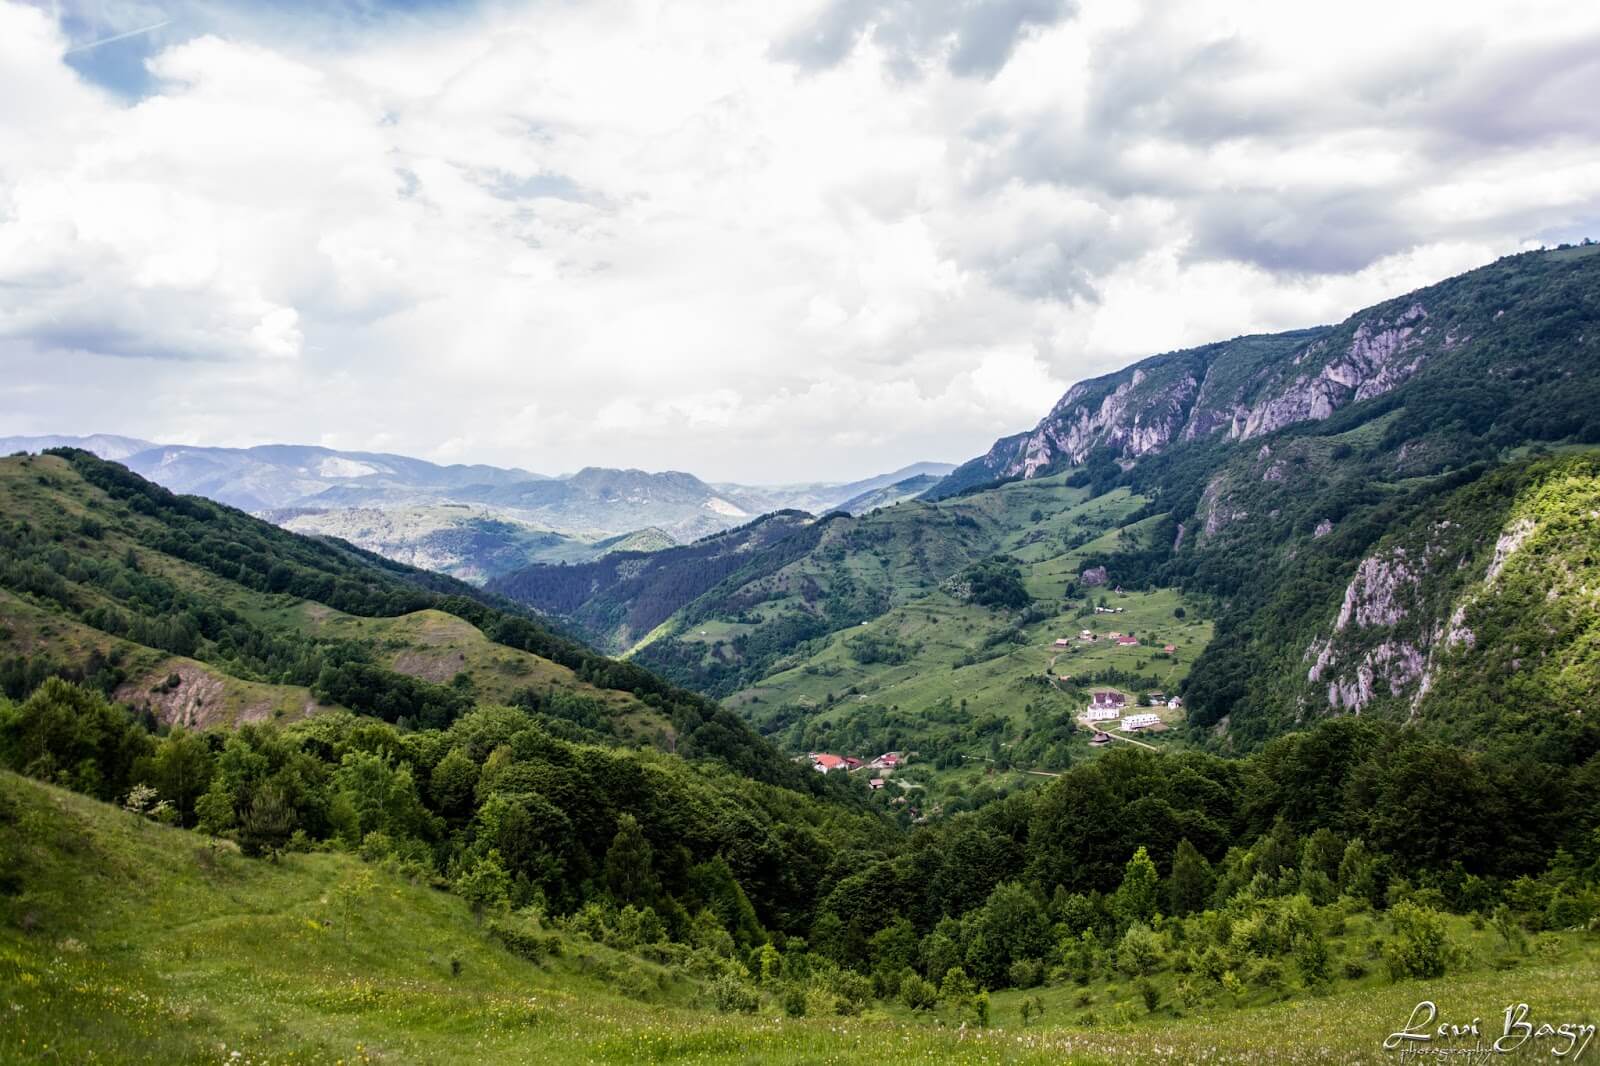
<point x="824" y="763"/>
<point x="1135" y="722"/>
<point x="1127" y="642"/>
<point x="1107" y="698"/>
<point x="1101" y="714"/>
<point x="1063" y="642"/>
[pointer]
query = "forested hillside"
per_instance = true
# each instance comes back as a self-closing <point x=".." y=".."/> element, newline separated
<point x="1330" y="498"/>
<point x="109" y="579"/>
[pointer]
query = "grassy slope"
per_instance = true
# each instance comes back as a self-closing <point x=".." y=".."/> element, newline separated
<point x="125" y="942"/>
<point x="946" y="632"/>
<point x="428" y="644"/>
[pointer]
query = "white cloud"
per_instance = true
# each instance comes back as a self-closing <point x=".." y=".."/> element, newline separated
<point x="627" y="233"/>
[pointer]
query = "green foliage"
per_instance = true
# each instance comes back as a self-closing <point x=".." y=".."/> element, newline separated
<point x="994" y="583"/>
<point x="628" y="871"/>
<point x="1421" y="945"/>
<point x="733" y="994"/>
<point x="1137" y="896"/>
<point x="1139" y="952"/>
<point x="1191" y="882"/>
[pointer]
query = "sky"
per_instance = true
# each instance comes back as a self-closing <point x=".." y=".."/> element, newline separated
<point x="759" y="242"/>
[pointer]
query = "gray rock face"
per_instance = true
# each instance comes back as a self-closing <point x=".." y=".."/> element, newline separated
<point x="1242" y="389"/>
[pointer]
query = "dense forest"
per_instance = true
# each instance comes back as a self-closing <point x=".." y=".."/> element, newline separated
<point x="1219" y="870"/>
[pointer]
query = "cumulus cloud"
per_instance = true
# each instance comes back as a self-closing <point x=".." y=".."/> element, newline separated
<point x="970" y="37"/>
<point x="731" y="240"/>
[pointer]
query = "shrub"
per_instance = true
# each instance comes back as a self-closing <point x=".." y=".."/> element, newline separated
<point x="1421" y="946"/>
<point x="1139" y="953"/>
<point x="484" y="883"/>
<point x="1026" y="973"/>
<point x="524" y="942"/>
<point x="733" y="995"/>
<point x="1313" y="961"/>
<point x="1150" y="994"/>
<point x="917" y="993"/>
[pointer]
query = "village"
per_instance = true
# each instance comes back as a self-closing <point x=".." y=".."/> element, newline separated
<point x="883" y="766"/>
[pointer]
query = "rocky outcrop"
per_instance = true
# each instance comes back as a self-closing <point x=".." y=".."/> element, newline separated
<point x="1375" y="360"/>
<point x="1382" y="639"/>
<point x="1233" y="389"/>
<point x="1129" y="418"/>
<point x="1372" y="597"/>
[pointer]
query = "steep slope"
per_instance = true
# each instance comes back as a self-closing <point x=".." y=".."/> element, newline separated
<point x="1514" y="327"/>
<point x="1261" y="480"/>
<point x="619" y="599"/>
<point x="138" y="586"/>
<point x="1482" y="615"/>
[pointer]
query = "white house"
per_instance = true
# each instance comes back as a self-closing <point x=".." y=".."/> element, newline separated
<point x="1174" y="703"/>
<point x="1101" y="714"/>
<point x="1135" y="722"/>
<point x="1104" y="698"/>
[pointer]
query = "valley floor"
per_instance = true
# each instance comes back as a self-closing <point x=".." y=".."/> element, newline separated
<point x="122" y="941"/>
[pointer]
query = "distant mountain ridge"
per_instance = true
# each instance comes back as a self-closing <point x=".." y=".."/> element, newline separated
<point x="471" y="521"/>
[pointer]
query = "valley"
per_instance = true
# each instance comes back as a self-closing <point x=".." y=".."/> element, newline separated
<point x="1200" y="710"/>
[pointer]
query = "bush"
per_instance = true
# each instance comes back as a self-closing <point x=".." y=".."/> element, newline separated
<point x="1421" y="945"/>
<point x="733" y="995"/>
<point x="917" y="993"/>
<point x="1150" y="994"/>
<point x="527" y="943"/>
<point x="484" y="883"/>
<point x="1026" y="973"/>
<point x="1139" y="953"/>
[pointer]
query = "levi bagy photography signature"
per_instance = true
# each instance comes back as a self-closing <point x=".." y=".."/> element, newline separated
<point x="1517" y="1028"/>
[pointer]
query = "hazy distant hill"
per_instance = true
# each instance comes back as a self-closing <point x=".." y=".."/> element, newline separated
<point x="889" y="495"/>
<point x="471" y="521"/>
<point x="105" y="445"/>
<point x="827" y="496"/>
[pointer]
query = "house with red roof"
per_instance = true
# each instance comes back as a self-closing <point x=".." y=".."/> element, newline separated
<point x="824" y="763"/>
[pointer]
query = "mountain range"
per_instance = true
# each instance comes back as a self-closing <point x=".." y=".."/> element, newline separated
<point x="470" y="521"/>
<point x="1251" y="668"/>
<point x="1322" y="514"/>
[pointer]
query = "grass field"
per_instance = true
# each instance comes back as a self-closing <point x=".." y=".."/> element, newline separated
<point x="122" y="941"/>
